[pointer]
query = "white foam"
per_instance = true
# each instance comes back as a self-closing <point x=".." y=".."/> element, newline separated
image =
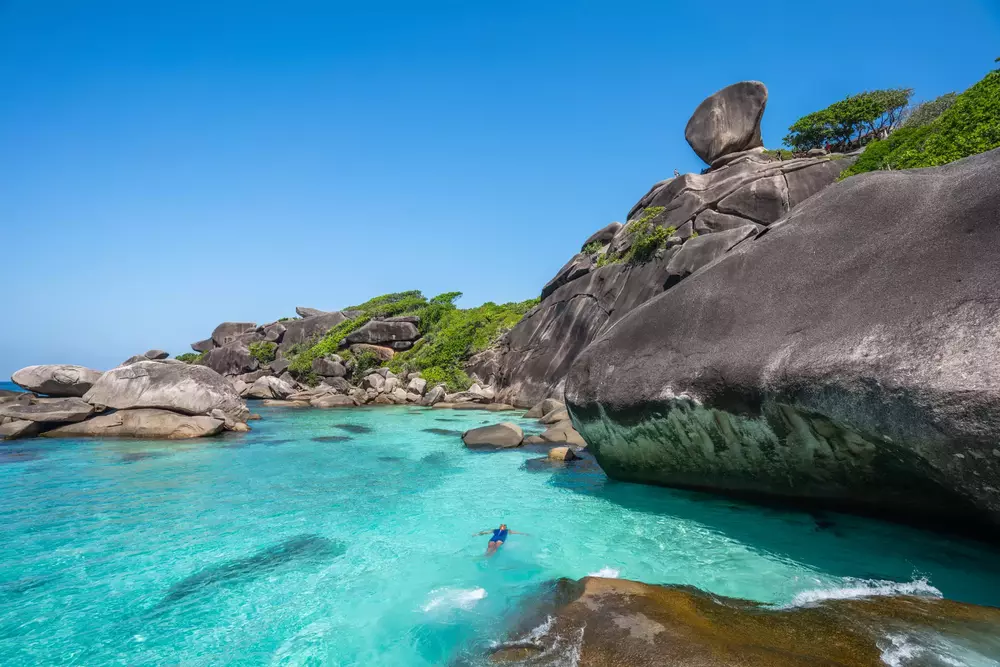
<point x="454" y="598"/>
<point x="865" y="588"/>
<point x="606" y="572"/>
<point x="899" y="650"/>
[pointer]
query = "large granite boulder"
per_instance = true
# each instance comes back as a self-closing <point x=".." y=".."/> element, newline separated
<point x="203" y="345"/>
<point x="381" y="353"/>
<point x="231" y="359"/>
<point x="728" y="121"/>
<point x="328" y="367"/>
<point x="333" y="401"/>
<point x="156" y="354"/>
<point x="227" y="332"/>
<point x="56" y="380"/>
<point x="273" y="332"/>
<point x="378" y="332"/>
<point x="47" y="410"/>
<point x="141" y="423"/>
<point x="498" y="436"/>
<point x="270" y="387"/>
<point x="435" y="395"/>
<point x="303" y="311"/>
<point x="184" y="388"/>
<point x="12" y="429"/>
<point x="602" y="235"/>
<point x="309" y="328"/>
<point x="847" y="357"/>
<point x="543" y="407"/>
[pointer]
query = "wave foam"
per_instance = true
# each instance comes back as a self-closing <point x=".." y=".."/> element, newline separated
<point x="606" y="572"/>
<point x="865" y="588"/>
<point x="454" y="598"/>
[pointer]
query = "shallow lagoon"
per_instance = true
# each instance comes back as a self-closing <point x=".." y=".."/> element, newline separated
<point x="343" y="537"/>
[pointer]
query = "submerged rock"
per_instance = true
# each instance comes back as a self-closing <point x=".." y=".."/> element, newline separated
<point x="57" y="380"/>
<point x="562" y="454"/>
<point x="612" y="622"/>
<point x="501" y="436"/>
<point x="184" y="388"/>
<point x="822" y="362"/>
<point x="141" y="423"/>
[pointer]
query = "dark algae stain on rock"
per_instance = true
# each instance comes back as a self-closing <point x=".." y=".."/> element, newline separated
<point x="354" y="428"/>
<point x="298" y="549"/>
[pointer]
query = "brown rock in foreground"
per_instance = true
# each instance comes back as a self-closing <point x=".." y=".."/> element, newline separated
<point x="615" y="622"/>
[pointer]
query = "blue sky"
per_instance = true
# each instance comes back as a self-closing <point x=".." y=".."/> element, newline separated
<point x="165" y="166"/>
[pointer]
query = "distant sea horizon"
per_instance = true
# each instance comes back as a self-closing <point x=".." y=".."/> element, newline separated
<point x="10" y="386"/>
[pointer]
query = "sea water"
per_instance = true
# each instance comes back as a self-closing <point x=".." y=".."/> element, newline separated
<point x="345" y="537"/>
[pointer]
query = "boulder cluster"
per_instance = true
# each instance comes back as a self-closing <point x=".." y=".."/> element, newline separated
<point x="703" y="216"/>
<point x="146" y="397"/>
<point x="549" y="412"/>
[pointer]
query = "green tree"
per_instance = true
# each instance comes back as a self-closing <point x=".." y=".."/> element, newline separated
<point x="925" y="112"/>
<point x="854" y="120"/>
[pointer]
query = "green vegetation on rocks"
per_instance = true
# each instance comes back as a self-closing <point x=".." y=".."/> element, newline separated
<point x="851" y="121"/>
<point x="190" y="357"/>
<point x="969" y="126"/>
<point x="263" y="351"/>
<point x="450" y="335"/>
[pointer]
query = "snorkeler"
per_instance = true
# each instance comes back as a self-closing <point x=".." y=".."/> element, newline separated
<point x="498" y="538"/>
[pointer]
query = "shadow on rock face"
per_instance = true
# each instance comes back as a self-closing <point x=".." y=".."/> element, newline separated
<point x="298" y="549"/>
<point x="331" y="438"/>
<point x="354" y="428"/>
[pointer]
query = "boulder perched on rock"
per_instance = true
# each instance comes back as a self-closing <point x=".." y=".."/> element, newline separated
<point x="303" y="311"/>
<point x="273" y="332"/>
<point x="184" y="388"/>
<point x="203" y="345"/>
<point x="48" y="410"/>
<point x="435" y="395"/>
<point x="543" y="408"/>
<point x="228" y="332"/>
<point x="142" y="423"/>
<point x="156" y="354"/>
<point x="417" y="386"/>
<point x="328" y="368"/>
<point x="270" y="387"/>
<point x="728" y="121"/>
<point x="57" y="380"/>
<point x="602" y="235"/>
<point x="231" y="359"/>
<point x="848" y="357"/>
<point x="500" y="436"/>
<point x="378" y="332"/>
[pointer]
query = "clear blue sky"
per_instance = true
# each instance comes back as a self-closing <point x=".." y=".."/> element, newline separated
<point x="165" y="166"/>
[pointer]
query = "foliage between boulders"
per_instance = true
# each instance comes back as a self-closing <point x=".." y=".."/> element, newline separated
<point x="263" y="351"/>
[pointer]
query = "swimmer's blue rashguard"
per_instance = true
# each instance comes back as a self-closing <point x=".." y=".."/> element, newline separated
<point x="499" y="535"/>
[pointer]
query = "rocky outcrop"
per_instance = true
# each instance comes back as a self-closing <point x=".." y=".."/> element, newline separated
<point x="610" y="622"/>
<point x="705" y="216"/>
<point x="156" y="354"/>
<point x="188" y="389"/>
<point x="303" y="311"/>
<point x="328" y="367"/>
<point x="270" y="387"/>
<point x="47" y="410"/>
<point x="381" y="353"/>
<point x="57" y="380"/>
<point x="728" y="121"/>
<point x="543" y="408"/>
<point x="848" y="357"/>
<point x="498" y="436"/>
<point x="228" y="332"/>
<point x="435" y="395"/>
<point x="309" y="328"/>
<point x="18" y="428"/>
<point x="141" y="423"/>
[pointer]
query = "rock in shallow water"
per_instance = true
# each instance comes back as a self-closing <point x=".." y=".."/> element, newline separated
<point x="500" y="436"/>
<point x="616" y="622"/>
<point x="847" y="357"/>
<point x="142" y="423"/>
<point x="48" y="410"/>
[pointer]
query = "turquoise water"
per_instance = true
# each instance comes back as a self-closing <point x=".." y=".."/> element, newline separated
<point x="344" y="537"/>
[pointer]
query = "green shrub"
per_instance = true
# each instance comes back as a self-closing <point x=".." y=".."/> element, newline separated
<point x="364" y="362"/>
<point x="190" y="357"/>
<point x="928" y="111"/>
<point x="971" y="125"/>
<point x="850" y="120"/>
<point x="263" y="351"/>
<point x="647" y="236"/>
<point x="592" y="247"/>
<point x="301" y="361"/>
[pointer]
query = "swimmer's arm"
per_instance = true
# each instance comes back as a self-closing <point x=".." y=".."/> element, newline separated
<point x="514" y="532"/>
<point x="485" y="532"/>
